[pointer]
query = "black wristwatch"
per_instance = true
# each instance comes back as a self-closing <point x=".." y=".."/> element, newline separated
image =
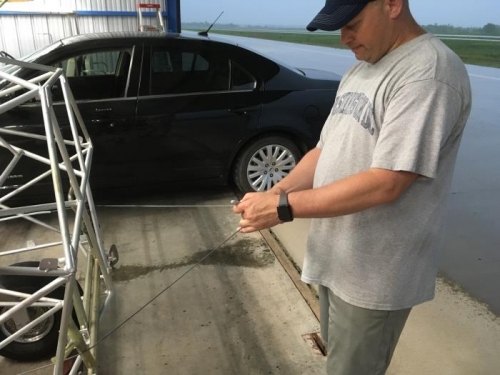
<point x="284" y="210"/>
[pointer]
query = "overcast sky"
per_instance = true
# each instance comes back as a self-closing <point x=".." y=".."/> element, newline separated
<point x="467" y="13"/>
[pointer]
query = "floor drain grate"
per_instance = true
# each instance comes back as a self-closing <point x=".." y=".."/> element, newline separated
<point x="316" y="343"/>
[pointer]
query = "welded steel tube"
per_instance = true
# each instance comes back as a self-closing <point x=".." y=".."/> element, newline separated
<point x="30" y="325"/>
<point x="34" y="297"/>
<point x="56" y="177"/>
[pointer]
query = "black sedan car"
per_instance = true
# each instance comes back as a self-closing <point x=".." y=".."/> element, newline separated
<point x="167" y="109"/>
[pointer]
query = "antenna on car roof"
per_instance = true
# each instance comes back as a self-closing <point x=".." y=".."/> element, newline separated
<point x="205" y="33"/>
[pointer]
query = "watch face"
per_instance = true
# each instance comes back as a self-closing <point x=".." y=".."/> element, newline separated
<point x="284" y="213"/>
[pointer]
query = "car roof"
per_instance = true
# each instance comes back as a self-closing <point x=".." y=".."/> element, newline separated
<point x="189" y="35"/>
<point x="156" y="35"/>
<point x="268" y="65"/>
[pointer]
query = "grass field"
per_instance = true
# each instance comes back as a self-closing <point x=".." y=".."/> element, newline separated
<point x="471" y="52"/>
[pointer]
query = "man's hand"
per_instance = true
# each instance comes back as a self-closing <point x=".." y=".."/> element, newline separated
<point x="258" y="211"/>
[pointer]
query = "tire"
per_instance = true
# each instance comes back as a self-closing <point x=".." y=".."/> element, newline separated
<point x="41" y="342"/>
<point x="263" y="163"/>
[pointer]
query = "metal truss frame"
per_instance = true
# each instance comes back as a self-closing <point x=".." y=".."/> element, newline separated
<point x="78" y="225"/>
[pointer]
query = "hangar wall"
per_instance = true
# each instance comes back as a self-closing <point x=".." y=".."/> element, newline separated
<point x="26" y="27"/>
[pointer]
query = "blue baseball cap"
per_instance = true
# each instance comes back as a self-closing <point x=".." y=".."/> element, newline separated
<point x="336" y="14"/>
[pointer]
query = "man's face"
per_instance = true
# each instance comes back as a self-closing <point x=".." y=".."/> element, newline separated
<point x="368" y="34"/>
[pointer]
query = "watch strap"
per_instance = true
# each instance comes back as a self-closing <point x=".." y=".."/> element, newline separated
<point x="284" y="209"/>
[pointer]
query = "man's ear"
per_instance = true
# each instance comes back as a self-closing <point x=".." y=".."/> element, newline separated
<point x="394" y="8"/>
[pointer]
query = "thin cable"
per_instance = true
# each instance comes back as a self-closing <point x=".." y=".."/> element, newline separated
<point x="143" y="307"/>
<point x="164" y="205"/>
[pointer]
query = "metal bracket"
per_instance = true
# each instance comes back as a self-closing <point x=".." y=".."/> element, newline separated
<point x="48" y="264"/>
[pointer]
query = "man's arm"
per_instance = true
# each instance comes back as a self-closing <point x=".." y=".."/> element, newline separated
<point x="353" y="194"/>
<point x="301" y="177"/>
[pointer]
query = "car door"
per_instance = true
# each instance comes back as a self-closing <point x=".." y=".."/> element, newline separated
<point x="104" y="83"/>
<point x="190" y="118"/>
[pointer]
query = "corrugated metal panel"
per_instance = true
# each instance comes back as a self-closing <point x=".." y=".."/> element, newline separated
<point x="9" y="40"/>
<point x="23" y="34"/>
<point x="25" y="38"/>
<point x="117" y="5"/>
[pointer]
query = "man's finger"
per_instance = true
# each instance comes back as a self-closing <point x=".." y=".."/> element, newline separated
<point x="248" y="229"/>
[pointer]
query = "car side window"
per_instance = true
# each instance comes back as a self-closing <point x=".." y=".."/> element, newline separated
<point x="241" y="79"/>
<point x="96" y="75"/>
<point x="91" y="64"/>
<point x="183" y="72"/>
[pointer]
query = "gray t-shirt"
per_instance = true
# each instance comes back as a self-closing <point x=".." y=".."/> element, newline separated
<point x="404" y="113"/>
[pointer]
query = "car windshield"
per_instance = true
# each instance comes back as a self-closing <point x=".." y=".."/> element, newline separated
<point x="32" y="57"/>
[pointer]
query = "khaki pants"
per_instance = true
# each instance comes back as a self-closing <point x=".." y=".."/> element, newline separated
<point x="359" y="341"/>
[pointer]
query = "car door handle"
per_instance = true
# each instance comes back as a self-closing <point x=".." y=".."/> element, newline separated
<point x="240" y="111"/>
<point x="110" y="123"/>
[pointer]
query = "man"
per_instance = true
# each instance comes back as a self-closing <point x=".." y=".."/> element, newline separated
<point x="376" y="183"/>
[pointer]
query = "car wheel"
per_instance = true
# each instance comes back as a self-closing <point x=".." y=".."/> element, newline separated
<point x="263" y="163"/>
<point x="41" y="341"/>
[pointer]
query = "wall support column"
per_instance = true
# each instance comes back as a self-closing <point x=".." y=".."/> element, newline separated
<point x="173" y="8"/>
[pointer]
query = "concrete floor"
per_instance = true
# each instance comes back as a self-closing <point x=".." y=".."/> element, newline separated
<point x="236" y="313"/>
<point x="454" y="334"/>
<point x="451" y="335"/>
<point x="239" y="312"/>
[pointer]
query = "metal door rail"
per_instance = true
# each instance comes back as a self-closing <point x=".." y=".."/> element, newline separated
<point x="77" y="222"/>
